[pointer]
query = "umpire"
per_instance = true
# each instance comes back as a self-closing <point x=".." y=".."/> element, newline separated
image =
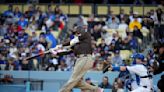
<point x="81" y="44"/>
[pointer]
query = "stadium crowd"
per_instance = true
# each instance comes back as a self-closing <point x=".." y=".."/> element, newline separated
<point x="17" y="43"/>
<point x="126" y="33"/>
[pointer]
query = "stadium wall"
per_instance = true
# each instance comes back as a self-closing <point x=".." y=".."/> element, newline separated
<point x="51" y="81"/>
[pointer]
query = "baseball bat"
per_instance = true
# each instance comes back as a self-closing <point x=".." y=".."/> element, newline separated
<point x="65" y="49"/>
<point x="37" y="55"/>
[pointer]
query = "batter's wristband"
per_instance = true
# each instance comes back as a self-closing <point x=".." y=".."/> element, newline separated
<point x="115" y="68"/>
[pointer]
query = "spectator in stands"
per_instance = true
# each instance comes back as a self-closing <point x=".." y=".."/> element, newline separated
<point x="159" y="14"/>
<point x="118" y="85"/>
<point x="13" y="29"/>
<point x="122" y="29"/>
<point x="39" y="17"/>
<point x="63" y="17"/>
<point x="123" y="25"/>
<point x="9" y="34"/>
<point x="102" y="46"/>
<point x="109" y="16"/>
<point x="159" y="51"/>
<point x="91" y="22"/>
<point x="85" y="26"/>
<point x="112" y="19"/>
<point x="25" y="65"/>
<point x="96" y="32"/>
<point x="29" y="13"/>
<point x="17" y="13"/>
<point x="113" y="24"/>
<point x="150" y="56"/>
<point x="3" y="48"/>
<point x="44" y="26"/>
<point x="121" y="15"/>
<point x="108" y="60"/>
<point x="33" y="25"/>
<point x="23" y="23"/>
<point x="114" y="38"/>
<point x="12" y="49"/>
<point x="49" y="11"/>
<point x="50" y="39"/>
<point x="135" y="23"/>
<point x="22" y="36"/>
<point x="35" y="64"/>
<point x="9" y="12"/>
<point x="57" y="10"/>
<point x="38" y="9"/>
<point x="118" y="44"/>
<point x="105" y="83"/>
<point x="126" y="19"/>
<point x="117" y="60"/>
<point x="53" y="64"/>
<point x="51" y="16"/>
<point x="91" y="17"/>
<point x="16" y="64"/>
<point x="62" y="65"/>
<point x="33" y="37"/>
<point x="81" y="21"/>
<point x="58" y="25"/>
<point x="151" y="23"/>
<point x="103" y="49"/>
<point x="99" y="64"/>
<point x="10" y="65"/>
<point x="153" y="15"/>
<point x="88" y="80"/>
<point x="131" y="15"/>
<point x="134" y="16"/>
<point x="33" y="51"/>
<point x="22" y="54"/>
<point x="2" y="62"/>
<point x="145" y="23"/>
<point x="43" y="41"/>
<point x="70" y="60"/>
<point x="106" y="35"/>
<point x="40" y="49"/>
<point x="132" y="42"/>
<point x="10" y="28"/>
<point x="2" y="29"/>
<point x="137" y="32"/>
<point x="126" y="43"/>
<point x="162" y="18"/>
<point x="94" y="47"/>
